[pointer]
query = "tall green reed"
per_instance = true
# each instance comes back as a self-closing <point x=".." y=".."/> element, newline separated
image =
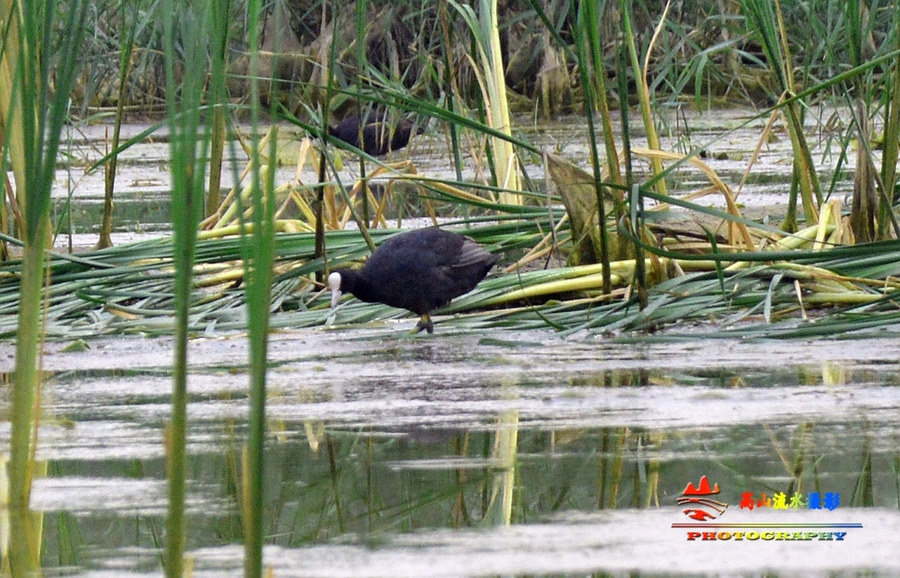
<point x="34" y="37"/>
<point x="361" y="65"/>
<point x="218" y="98"/>
<point x="186" y="28"/>
<point x="586" y="43"/>
<point x="891" y="137"/>
<point x="259" y="255"/>
<point x="590" y="18"/>
<point x="865" y="199"/>
<point x="587" y="51"/>
<point x="641" y="88"/>
<point x="484" y="26"/>
<point x="766" y="22"/>
<point x="125" y="53"/>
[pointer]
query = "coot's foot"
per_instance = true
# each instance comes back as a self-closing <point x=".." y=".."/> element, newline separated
<point x="424" y="323"/>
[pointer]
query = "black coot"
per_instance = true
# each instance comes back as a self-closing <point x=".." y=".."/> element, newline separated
<point x="422" y="271"/>
<point x="380" y="136"/>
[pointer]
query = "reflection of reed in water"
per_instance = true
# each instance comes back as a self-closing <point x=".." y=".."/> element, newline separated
<point x="505" y="452"/>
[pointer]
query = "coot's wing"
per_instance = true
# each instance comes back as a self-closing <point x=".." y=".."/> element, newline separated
<point x="469" y="266"/>
<point x="471" y="254"/>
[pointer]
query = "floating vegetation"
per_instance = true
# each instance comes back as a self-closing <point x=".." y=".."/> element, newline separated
<point x="792" y="287"/>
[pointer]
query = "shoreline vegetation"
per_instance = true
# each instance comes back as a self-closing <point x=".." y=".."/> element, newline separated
<point x="464" y="71"/>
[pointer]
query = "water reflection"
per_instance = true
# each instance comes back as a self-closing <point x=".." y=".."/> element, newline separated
<point x="369" y="486"/>
<point x="408" y="451"/>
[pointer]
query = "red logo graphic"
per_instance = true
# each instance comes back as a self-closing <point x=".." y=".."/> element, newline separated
<point x="698" y="497"/>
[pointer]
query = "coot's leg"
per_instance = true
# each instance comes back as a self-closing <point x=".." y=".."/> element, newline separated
<point x="424" y="323"/>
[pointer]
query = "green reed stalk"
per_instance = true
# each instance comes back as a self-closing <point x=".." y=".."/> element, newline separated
<point x="321" y="252"/>
<point x="891" y="140"/>
<point x="259" y="255"/>
<point x="361" y="108"/>
<point x="643" y="93"/>
<point x="635" y="197"/>
<point x="218" y="97"/>
<point x="507" y="163"/>
<point x="185" y="30"/>
<point x="593" y="11"/>
<point x="450" y="88"/>
<point x="33" y="117"/>
<point x="485" y="31"/>
<point x="865" y="200"/>
<point x="585" y="34"/>
<point x="125" y="51"/>
<point x="765" y="21"/>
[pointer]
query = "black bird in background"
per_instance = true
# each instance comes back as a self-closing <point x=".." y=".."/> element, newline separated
<point x="420" y="270"/>
<point x="379" y="134"/>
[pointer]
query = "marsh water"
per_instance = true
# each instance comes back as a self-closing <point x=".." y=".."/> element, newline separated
<point x="477" y="455"/>
<point x="489" y="453"/>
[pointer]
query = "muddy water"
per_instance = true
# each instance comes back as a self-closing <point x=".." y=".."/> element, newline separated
<point x="393" y="455"/>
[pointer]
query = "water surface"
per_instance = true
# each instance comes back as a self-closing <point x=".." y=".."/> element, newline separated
<point x="475" y="455"/>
